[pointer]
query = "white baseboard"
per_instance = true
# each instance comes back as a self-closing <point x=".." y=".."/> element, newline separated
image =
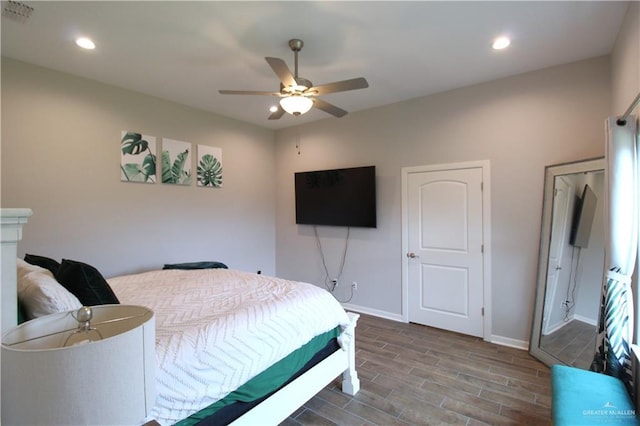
<point x="373" y="312"/>
<point x="586" y="320"/>
<point x="512" y="343"/>
<point x="580" y="318"/>
<point x="498" y="340"/>
<point x="557" y="326"/>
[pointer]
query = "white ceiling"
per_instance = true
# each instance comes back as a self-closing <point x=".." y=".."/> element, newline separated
<point x="186" y="51"/>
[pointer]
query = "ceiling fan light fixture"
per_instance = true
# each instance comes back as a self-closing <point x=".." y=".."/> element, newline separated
<point x="296" y="104"/>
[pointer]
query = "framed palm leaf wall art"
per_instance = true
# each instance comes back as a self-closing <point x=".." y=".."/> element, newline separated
<point x="137" y="157"/>
<point x="176" y="162"/>
<point x="209" y="166"/>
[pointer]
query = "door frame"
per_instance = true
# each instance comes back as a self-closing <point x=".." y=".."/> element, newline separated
<point x="564" y="243"/>
<point x="486" y="229"/>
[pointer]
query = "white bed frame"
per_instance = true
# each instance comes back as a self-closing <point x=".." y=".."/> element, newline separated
<point x="11" y="223"/>
<point x="288" y="399"/>
<point x="271" y="411"/>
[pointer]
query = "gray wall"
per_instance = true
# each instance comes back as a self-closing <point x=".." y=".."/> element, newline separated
<point x="61" y="154"/>
<point x="625" y="62"/>
<point x="520" y="124"/>
<point x="591" y="258"/>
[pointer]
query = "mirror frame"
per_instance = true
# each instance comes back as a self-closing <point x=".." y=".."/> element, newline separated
<point x="551" y="172"/>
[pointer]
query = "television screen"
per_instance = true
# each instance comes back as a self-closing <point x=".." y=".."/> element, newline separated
<point x="584" y="212"/>
<point x="339" y="197"/>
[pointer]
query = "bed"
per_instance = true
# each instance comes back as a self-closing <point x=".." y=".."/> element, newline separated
<point x="246" y="319"/>
<point x="218" y="331"/>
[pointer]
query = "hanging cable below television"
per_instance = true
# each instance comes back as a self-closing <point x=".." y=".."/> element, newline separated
<point x="333" y="283"/>
<point x="570" y="297"/>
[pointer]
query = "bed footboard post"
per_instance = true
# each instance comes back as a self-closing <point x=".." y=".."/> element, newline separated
<point x="350" y="381"/>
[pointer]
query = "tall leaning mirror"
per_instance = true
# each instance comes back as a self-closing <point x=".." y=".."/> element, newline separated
<point x="570" y="264"/>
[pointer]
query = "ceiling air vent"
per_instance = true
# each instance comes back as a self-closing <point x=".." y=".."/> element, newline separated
<point x="16" y="11"/>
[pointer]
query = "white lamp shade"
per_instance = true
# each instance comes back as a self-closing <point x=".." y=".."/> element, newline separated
<point x="108" y="382"/>
<point x="296" y="104"/>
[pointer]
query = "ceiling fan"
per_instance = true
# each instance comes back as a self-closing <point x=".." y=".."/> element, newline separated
<point x="297" y="95"/>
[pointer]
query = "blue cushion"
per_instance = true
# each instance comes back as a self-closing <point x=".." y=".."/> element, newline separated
<point x="581" y="397"/>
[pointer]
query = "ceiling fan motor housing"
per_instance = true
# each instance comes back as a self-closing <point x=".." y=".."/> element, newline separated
<point x="303" y="84"/>
<point x="296" y="44"/>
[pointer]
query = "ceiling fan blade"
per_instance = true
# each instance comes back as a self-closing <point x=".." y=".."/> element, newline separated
<point x="282" y="71"/>
<point x="328" y="108"/>
<point x="341" y="86"/>
<point x="247" y="92"/>
<point x="277" y="114"/>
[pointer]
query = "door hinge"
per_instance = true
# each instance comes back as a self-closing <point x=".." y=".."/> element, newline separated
<point x="482" y="248"/>
<point x="482" y="311"/>
<point x="481" y="186"/>
<point x="555" y="192"/>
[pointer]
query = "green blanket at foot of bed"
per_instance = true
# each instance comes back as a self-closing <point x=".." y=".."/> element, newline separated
<point x="581" y="397"/>
<point x="269" y="380"/>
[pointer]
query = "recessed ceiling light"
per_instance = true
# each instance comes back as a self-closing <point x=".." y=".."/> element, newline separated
<point x="273" y="108"/>
<point x="501" y="42"/>
<point x="85" y="43"/>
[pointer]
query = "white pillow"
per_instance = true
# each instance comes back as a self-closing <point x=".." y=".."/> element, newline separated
<point x="41" y="295"/>
<point x="25" y="267"/>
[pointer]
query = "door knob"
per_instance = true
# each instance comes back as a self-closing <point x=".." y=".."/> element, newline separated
<point x="412" y="255"/>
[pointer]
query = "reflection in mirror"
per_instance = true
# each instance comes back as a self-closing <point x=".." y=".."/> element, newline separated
<point x="571" y="262"/>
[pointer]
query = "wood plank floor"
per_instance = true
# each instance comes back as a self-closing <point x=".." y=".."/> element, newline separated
<point x="416" y="375"/>
<point x="574" y="344"/>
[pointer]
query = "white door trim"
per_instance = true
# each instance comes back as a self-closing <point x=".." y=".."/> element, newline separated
<point x="486" y="224"/>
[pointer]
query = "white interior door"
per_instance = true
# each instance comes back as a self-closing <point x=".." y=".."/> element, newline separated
<point x="559" y="265"/>
<point x="445" y="243"/>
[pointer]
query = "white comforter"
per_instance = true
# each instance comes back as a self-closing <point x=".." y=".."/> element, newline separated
<point x="218" y="328"/>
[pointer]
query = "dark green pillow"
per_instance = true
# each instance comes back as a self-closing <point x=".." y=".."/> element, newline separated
<point x="195" y="265"/>
<point x="86" y="283"/>
<point x="43" y="262"/>
<point x="22" y="315"/>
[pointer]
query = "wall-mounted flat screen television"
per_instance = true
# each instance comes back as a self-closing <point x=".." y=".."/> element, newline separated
<point x="584" y="212"/>
<point x="338" y="197"/>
